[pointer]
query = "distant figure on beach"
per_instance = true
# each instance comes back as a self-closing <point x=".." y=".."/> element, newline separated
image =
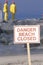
<point x="5" y="10"/>
<point x="1" y="17"/>
<point x="13" y="9"/>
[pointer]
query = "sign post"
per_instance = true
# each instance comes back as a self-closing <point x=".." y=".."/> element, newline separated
<point x="28" y="51"/>
<point x="27" y="34"/>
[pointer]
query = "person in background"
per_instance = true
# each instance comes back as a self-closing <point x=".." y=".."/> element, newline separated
<point x="13" y="9"/>
<point x="5" y="10"/>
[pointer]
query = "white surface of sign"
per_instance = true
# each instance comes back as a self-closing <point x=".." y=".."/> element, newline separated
<point x="25" y="34"/>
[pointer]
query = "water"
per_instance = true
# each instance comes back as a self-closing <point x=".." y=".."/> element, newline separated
<point x="25" y="9"/>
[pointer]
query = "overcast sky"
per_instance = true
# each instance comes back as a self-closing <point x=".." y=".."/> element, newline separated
<point x="28" y="8"/>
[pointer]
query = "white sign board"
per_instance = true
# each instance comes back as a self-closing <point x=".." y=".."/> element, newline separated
<point x="27" y="33"/>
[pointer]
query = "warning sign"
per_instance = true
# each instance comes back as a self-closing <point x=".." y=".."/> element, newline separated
<point x="25" y="34"/>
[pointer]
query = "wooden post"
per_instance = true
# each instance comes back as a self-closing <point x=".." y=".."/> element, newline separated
<point x="28" y="51"/>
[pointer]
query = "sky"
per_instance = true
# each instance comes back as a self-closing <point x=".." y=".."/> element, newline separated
<point x="27" y="8"/>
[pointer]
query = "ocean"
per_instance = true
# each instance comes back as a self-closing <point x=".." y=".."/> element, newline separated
<point x="25" y="9"/>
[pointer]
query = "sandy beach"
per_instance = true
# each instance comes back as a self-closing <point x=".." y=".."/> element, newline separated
<point x="9" y="55"/>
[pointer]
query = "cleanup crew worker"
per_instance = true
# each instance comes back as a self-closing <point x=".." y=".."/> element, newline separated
<point x="13" y="9"/>
<point x="5" y="10"/>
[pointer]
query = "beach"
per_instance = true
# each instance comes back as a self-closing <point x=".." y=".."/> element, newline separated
<point x="17" y="55"/>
